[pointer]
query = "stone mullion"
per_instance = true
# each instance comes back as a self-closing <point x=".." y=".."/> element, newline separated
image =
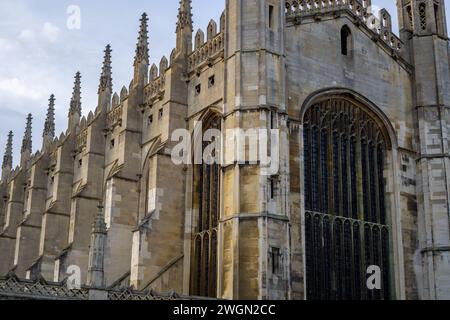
<point x="200" y="198"/>
<point x="307" y="166"/>
<point x="210" y="214"/>
<point x="341" y="193"/>
<point x="359" y="168"/>
<point x="330" y="163"/>
<point x="368" y="214"/>
<point x="202" y="274"/>
<point x="377" y="184"/>
<point x="319" y="160"/>
<point x="213" y="264"/>
<point x="349" y="171"/>
<point x="361" y="201"/>
<point x="205" y="191"/>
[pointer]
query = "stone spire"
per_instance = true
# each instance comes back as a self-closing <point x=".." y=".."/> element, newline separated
<point x="27" y="144"/>
<point x="7" y="158"/>
<point x="106" y="76"/>
<point x="185" y="15"/>
<point x="142" y="44"/>
<point x="141" y="59"/>
<point x="96" y="277"/>
<point x="75" y="103"/>
<point x="184" y="27"/>
<point x="105" y="87"/>
<point x="49" y="126"/>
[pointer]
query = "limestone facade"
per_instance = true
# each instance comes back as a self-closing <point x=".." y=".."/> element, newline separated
<point x="233" y="231"/>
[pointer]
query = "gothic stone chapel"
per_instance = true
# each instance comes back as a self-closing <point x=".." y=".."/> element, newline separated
<point x="363" y="117"/>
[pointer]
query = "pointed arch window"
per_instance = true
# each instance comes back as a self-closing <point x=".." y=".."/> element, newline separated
<point x="346" y="218"/>
<point x="207" y="202"/>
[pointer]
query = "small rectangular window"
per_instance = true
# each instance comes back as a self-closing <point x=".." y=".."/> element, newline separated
<point x="198" y="89"/>
<point x="80" y="163"/>
<point x="161" y="113"/>
<point x="271" y="16"/>
<point x="150" y="120"/>
<point x="112" y="144"/>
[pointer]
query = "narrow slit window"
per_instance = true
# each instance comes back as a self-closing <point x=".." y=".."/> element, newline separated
<point x="346" y="41"/>
<point x="271" y="16"/>
<point x="273" y="120"/>
<point x="275" y="260"/>
<point x="272" y="189"/>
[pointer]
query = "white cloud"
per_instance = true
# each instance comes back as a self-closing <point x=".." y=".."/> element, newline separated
<point x="6" y="45"/>
<point x="17" y="88"/>
<point x="48" y="32"/>
<point x="27" y="35"/>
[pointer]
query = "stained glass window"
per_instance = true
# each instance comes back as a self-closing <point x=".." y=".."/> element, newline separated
<point x="207" y="200"/>
<point x="346" y="227"/>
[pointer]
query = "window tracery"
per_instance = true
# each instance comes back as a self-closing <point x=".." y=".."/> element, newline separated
<point x="345" y="221"/>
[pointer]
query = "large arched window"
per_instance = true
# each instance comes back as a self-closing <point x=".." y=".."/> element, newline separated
<point x="207" y="201"/>
<point x="346" y="227"/>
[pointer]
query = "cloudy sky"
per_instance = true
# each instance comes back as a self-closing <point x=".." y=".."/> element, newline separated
<point x="40" y="54"/>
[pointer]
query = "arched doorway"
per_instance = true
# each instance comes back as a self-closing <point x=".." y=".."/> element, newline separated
<point x="346" y="220"/>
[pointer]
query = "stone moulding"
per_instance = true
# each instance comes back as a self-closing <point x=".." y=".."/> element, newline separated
<point x="114" y="118"/>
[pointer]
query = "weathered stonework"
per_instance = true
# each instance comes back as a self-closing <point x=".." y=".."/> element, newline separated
<point x="263" y="66"/>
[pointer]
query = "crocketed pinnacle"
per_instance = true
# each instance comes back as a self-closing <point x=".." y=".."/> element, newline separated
<point x="27" y="142"/>
<point x="142" y="44"/>
<point x="8" y="158"/>
<point x="106" y="76"/>
<point x="75" y="101"/>
<point x="49" y="125"/>
<point x="185" y="15"/>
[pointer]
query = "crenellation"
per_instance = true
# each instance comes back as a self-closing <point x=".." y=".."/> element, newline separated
<point x="206" y="53"/>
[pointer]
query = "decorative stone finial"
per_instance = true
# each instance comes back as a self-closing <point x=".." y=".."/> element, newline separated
<point x="75" y="101"/>
<point x="142" y="44"/>
<point x="49" y="126"/>
<point x="27" y="144"/>
<point x="8" y="158"/>
<point x="185" y="15"/>
<point x="106" y="76"/>
<point x="96" y="277"/>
